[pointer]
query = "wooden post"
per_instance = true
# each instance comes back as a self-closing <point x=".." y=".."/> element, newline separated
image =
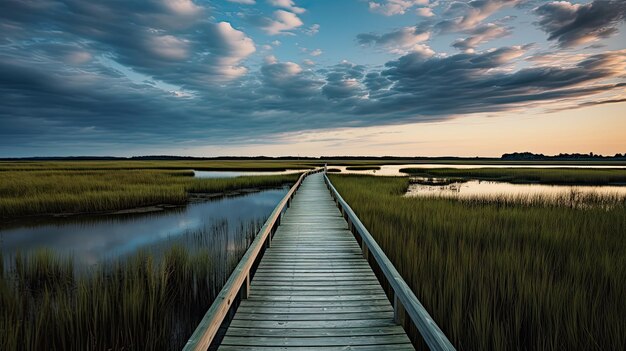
<point x="364" y="249"/>
<point x="245" y="288"/>
<point x="398" y="310"/>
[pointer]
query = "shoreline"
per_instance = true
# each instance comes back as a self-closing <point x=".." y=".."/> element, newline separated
<point x="193" y="198"/>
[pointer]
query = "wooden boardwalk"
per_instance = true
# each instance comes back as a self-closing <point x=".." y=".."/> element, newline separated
<point x="313" y="290"/>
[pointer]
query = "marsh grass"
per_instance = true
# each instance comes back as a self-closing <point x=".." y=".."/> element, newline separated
<point x="147" y="301"/>
<point x="574" y="199"/>
<point x="503" y="276"/>
<point x="90" y="191"/>
<point x="436" y="181"/>
<point x="556" y="176"/>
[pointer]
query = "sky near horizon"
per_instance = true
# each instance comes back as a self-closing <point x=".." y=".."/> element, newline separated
<point x="311" y="77"/>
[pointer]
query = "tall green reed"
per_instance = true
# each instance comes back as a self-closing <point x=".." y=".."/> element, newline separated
<point x="150" y="300"/>
<point x="503" y="276"/>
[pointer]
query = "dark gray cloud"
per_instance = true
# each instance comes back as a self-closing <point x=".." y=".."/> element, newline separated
<point x="343" y="81"/>
<point x="574" y="24"/>
<point x="169" y="40"/>
<point x="374" y="82"/>
<point x="50" y="105"/>
<point x="288" y="80"/>
<point x="466" y="83"/>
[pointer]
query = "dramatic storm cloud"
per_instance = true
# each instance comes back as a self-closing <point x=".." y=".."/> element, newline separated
<point x="141" y="75"/>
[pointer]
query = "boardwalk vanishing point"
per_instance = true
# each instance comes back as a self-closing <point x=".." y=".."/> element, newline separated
<point x="306" y="283"/>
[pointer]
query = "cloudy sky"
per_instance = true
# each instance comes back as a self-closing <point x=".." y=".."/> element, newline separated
<point x="311" y="77"/>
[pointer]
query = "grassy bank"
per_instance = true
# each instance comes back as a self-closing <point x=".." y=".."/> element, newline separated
<point x="149" y="301"/>
<point x="557" y="176"/>
<point x="503" y="277"/>
<point x="56" y="192"/>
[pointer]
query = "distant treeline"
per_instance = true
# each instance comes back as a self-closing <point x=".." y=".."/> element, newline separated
<point x="516" y="156"/>
<point x="529" y="156"/>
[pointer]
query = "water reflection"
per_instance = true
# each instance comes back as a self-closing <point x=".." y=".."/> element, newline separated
<point x="233" y="174"/>
<point x="474" y="189"/>
<point x="91" y="239"/>
<point x="394" y="170"/>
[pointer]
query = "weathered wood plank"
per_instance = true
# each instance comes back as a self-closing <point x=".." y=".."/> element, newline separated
<point x="396" y="347"/>
<point x="385" y="322"/>
<point x="319" y="303"/>
<point x="300" y="298"/>
<point x="331" y="294"/>
<point x="362" y="340"/>
<point x="273" y="309"/>
<point x="318" y="275"/>
<point x="315" y="332"/>
<point x="308" y="283"/>
<point x="288" y="317"/>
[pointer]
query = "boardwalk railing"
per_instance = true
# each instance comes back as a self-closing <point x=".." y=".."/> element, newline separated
<point x="238" y="284"/>
<point x="404" y="300"/>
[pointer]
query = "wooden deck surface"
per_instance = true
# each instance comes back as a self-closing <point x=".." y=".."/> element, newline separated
<point x="313" y="289"/>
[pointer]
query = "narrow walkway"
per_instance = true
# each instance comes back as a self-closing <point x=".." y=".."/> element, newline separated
<point x="313" y="289"/>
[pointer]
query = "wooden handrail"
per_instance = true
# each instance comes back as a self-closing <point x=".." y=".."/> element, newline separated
<point x="404" y="298"/>
<point x="207" y="329"/>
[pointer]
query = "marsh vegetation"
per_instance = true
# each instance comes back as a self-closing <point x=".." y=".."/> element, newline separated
<point x="502" y="275"/>
<point x="500" y="272"/>
<point x="150" y="300"/>
<point x="557" y="176"/>
<point x="153" y="295"/>
<point x="87" y="191"/>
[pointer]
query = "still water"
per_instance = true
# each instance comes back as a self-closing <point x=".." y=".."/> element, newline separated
<point x="91" y="239"/>
<point x="478" y="188"/>
<point x="394" y="170"/>
<point x="491" y="189"/>
<point x="233" y="174"/>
